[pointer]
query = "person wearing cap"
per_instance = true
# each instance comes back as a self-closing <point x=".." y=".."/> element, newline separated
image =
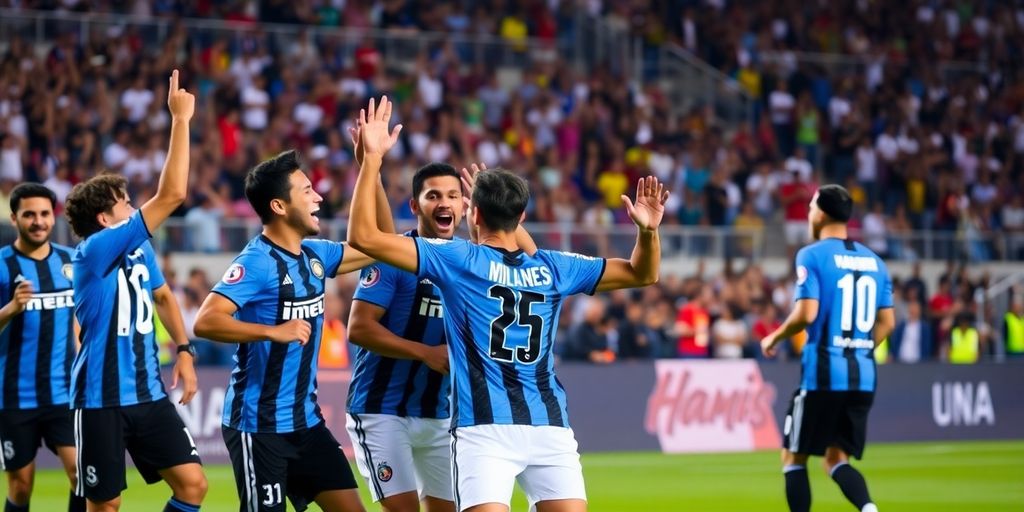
<point x="844" y="304"/>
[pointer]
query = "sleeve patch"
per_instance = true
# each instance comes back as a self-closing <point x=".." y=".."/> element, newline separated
<point x="234" y="274"/>
<point x="371" y="276"/>
<point x="801" y="275"/>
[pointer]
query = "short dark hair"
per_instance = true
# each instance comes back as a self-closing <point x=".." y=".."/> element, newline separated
<point x="269" y="180"/>
<point x="90" y="198"/>
<point x="431" y="170"/>
<point x="836" y="202"/>
<point x="501" y="197"/>
<point x="27" y="190"/>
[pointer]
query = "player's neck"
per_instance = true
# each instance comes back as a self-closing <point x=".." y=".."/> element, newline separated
<point x="284" y="237"/>
<point x="833" y="231"/>
<point x="499" y="240"/>
<point x="35" y="252"/>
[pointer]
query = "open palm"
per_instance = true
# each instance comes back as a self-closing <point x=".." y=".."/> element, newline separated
<point x="649" y="208"/>
<point x="373" y="123"/>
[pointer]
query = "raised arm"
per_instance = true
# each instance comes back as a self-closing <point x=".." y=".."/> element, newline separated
<point x="642" y="268"/>
<point x="216" y="322"/>
<point x="173" y="186"/>
<point x="363" y="231"/>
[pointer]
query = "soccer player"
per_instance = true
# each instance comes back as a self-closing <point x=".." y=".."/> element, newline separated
<point x="119" y="400"/>
<point x="271" y="302"/>
<point x="37" y="344"/>
<point x="509" y="420"/>
<point x="398" y="413"/>
<point x="844" y="301"/>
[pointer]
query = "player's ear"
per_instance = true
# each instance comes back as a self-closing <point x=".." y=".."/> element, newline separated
<point x="522" y="217"/>
<point x="101" y="219"/>
<point x="277" y="206"/>
<point x="414" y="205"/>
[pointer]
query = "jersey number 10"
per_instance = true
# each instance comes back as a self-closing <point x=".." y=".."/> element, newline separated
<point x="129" y="290"/>
<point x="515" y="307"/>
<point x="864" y="293"/>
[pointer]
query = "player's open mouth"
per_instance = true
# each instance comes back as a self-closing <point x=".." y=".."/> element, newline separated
<point x="314" y="215"/>
<point x="444" y="220"/>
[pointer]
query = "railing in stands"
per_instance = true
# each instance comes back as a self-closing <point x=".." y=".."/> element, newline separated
<point x="231" y="235"/>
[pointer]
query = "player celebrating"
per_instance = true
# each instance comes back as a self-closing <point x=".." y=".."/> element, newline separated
<point x="850" y="286"/>
<point x="271" y="302"/>
<point x="119" y="400"/>
<point x="509" y="417"/>
<point x="36" y="346"/>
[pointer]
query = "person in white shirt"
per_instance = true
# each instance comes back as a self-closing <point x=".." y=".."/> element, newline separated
<point x="136" y="99"/>
<point x="781" y="107"/>
<point x="762" y="187"/>
<point x="255" y="104"/>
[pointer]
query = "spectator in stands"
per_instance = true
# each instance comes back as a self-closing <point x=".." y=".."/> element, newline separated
<point x="1013" y="328"/>
<point x="965" y="341"/>
<point x="693" y="324"/>
<point x="911" y="341"/>
<point x="588" y="341"/>
<point x="634" y="336"/>
<point x="729" y="333"/>
<point x="796" y="196"/>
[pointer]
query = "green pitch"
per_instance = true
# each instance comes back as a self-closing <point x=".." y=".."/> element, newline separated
<point x="933" y="477"/>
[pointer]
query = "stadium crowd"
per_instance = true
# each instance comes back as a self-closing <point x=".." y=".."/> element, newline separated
<point x="919" y="148"/>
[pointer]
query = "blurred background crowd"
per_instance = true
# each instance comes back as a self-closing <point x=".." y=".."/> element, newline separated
<point x="917" y="107"/>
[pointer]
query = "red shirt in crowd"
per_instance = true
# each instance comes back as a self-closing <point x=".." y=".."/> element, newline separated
<point x="799" y="193"/>
<point x="695" y="345"/>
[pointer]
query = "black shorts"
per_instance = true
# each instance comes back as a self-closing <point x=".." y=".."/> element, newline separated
<point x="22" y="432"/>
<point x="153" y="434"/>
<point x="297" y="465"/>
<point x="816" y="420"/>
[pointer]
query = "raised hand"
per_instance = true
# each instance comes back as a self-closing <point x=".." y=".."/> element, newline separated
<point x="356" y="133"/>
<point x="375" y="120"/>
<point x="649" y="208"/>
<point x="469" y="178"/>
<point x="181" y="102"/>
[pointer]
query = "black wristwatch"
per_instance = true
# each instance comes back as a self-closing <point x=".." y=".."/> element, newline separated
<point x="188" y="347"/>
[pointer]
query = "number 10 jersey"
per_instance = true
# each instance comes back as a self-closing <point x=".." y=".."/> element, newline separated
<point x="500" y="317"/>
<point x="115" y="273"/>
<point x="851" y="284"/>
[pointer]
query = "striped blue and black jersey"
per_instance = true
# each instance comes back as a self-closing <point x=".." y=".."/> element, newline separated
<point x="851" y="284"/>
<point x="501" y="315"/>
<point x="273" y="385"/>
<point x="115" y="274"/>
<point x="37" y="347"/>
<point x="413" y="310"/>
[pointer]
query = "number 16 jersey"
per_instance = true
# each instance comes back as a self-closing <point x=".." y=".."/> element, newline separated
<point x="115" y="273"/>
<point x="501" y="317"/>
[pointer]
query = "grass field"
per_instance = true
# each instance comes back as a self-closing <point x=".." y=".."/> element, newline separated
<point x="934" y="477"/>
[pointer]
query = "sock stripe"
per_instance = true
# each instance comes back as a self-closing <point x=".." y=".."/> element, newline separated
<point x="793" y="467"/>
<point x="182" y="506"/>
<point x="832" y="472"/>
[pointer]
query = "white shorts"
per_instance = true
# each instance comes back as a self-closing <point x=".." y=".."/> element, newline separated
<point x="487" y="460"/>
<point x="796" y="232"/>
<point x="398" y="455"/>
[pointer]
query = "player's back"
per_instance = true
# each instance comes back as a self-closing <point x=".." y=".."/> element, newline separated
<point x="36" y="348"/>
<point x="851" y="283"/>
<point x="115" y="273"/>
<point x="501" y="317"/>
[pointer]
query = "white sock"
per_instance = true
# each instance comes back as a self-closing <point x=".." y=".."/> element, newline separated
<point x="870" y="507"/>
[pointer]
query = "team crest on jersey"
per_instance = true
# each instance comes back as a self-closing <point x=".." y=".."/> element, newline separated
<point x="317" y="267"/>
<point x="67" y="270"/>
<point x="801" y="275"/>
<point x="234" y="274"/>
<point x="384" y="472"/>
<point x="370" y="277"/>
